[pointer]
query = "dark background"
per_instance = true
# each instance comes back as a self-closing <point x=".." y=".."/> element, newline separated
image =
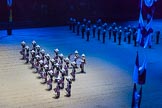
<point x="57" y="12"/>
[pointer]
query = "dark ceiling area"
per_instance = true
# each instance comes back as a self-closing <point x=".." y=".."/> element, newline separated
<point x="57" y="12"/>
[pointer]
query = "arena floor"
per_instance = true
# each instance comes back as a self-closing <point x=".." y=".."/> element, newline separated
<point x="107" y="82"/>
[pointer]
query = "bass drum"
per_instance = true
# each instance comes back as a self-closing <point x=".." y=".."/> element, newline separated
<point x="71" y="57"/>
<point x="78" y="61"/>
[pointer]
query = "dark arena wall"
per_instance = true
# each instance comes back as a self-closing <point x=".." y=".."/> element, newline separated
<point x="56" y="12"/>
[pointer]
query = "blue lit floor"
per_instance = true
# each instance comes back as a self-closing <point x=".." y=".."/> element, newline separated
<point x="106" y="84"/>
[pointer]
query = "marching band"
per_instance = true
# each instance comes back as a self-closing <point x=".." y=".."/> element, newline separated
<point x="53" y="69"/>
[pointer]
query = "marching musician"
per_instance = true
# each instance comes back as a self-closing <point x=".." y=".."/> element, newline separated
<point x="27" y="54"/>
<point x="32" y="58"/>
<point x="68" y="88"/>
<point x="41" y="68"/>
<point x="83" y="27"/>
<point x="78" y="27"/>
<point x="76" y="55"/>
<point x="52" y="64"/>
<point x="94" y="30"/>
<point x="38" y="50"/>
<point x="66" y="66"/>
<point x="22" y="52"/>
<point x="110" y="32"/>
<point x="42" y="54"/>
<point x="37" y="63"/>
<point x="62" y="78"/>
<point x="83" y="62"/>
<point x="61" y="61"/>
<point x="56" y="73"/>
<point x="119" y="36"/>
<point x="56" y="54"/>
<point x="73" y="64"/>
<point x="34" y="45"/>
<point x="50" y="79"/>
<point x="57" y="88"/>
<point x="47" y="56"/>
<point x="44" y="73"/>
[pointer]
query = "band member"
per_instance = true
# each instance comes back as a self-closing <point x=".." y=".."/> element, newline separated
<point x="70" y="23"/>
<point x="37" y="58"/>
<point x="47" y="56"/>
<point x="56" y="73"/>
<point x="66" y="66"/>
<point x="94" y="30"/>
<point x="99" y="32"/>
<point x="41" y="68"/>
<point x="44" y="73"/>
<point x="74" y="24"/>
<point x="56" y="55"/>
<point x="83" y="30"/>
<point x="22" y="52"/>
<point x="88" y="33"/>
<point x="78" y="27"/>
<point x="43" y="77"/>
<point x="52" y="64"/>
<point x="110" y="32"/>
<point x="73" y="56"/>
<point x="74" y="66"/>
<point x="27" y="54"/>
<point x="57" y="88"/>
<point x="129" y="36"/>
<point x="114" y="25"/>
<point x="66" y="60"/>
<point x="38" y="50"/>
<point x="62" y="78"/>
<point x="68" y="88"/>
<point x="32" y="58"/>
<point x="57" y="91"/>
<point x="83" y="62"/>
<point x="125" y="33"/>
<point x="61" y="61"/>
<point x="34" y="45"/>
<point x="88" y="24"/>
<point x="50" y="79"/>
<point x="51" y="74"/>
<point x="99" y="22"/>
<point x="104" y="35"/>
<point x="76" y="55"/>
<point x="49" y="83"/>
<point x="115" y="33"/>
<point x="83" y="58"/>
<point x="84" y="21"/>
<point x="119" y="36"/>
<point x="42" y="54"/>
<point x="134" y="32"/>
<point x="104" y="26"/>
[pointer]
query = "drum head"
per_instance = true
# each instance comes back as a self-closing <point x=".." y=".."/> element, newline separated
<point x="71" y="57"/>
<point x="78" y="61"/>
